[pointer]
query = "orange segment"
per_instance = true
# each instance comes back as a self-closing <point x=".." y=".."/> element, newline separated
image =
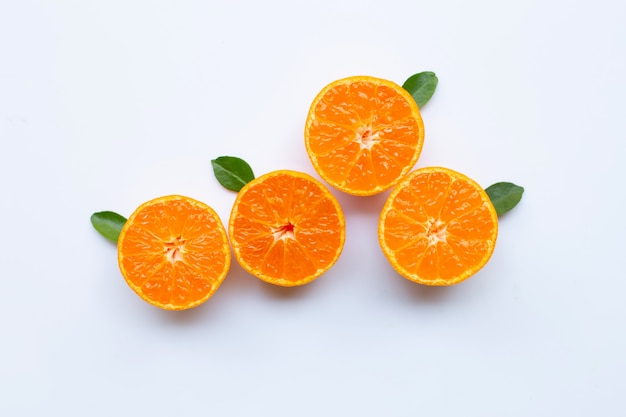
<point x="438" y="227"/>
<point x="363" y="134"/>
<point x="173" y="252"/>
<point x="286" y="228"/>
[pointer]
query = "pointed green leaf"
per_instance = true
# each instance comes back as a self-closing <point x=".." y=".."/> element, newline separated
<point x="421" y="86"/>
<point x="232" y="172"/>
<point x="108" y="223"/>
<point x="504" y="196"/>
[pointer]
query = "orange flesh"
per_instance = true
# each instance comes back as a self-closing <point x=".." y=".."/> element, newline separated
<point x="173" y="252"/>
<point x="363" y="134"/>
<point x="286" y="228"/>
<point x="438" y="227"/>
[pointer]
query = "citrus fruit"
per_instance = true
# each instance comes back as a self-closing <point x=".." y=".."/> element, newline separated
<point x="437" y="227"/>
<point x="173" y="252"/>
<point x="363" y="134"/>
<point x="286" y="228"/>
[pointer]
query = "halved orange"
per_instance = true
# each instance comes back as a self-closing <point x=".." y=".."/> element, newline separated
<point x="437" y="227"/>
<point x="286" y="228"/>
<point x="173" y="252"/>
<point x="363" y="134"/>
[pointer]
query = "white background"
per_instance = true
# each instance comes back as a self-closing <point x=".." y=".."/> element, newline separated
<point x="104" y="105"/>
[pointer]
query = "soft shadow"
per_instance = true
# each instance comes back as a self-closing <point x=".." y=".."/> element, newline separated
<point x="279" y="293"/>
<point x="186" y="317"/>
<point x="425" y="293"/>
<point x="429" y="294"/>
<point x="237" y="280"/>
<point x="370" y="205"/>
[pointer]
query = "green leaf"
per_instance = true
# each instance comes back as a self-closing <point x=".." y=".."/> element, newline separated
<point x="108" y="223"/>
<point x="232" y="172"/>
<point x="504" y="196"/>
<point x="421" y="86"/>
